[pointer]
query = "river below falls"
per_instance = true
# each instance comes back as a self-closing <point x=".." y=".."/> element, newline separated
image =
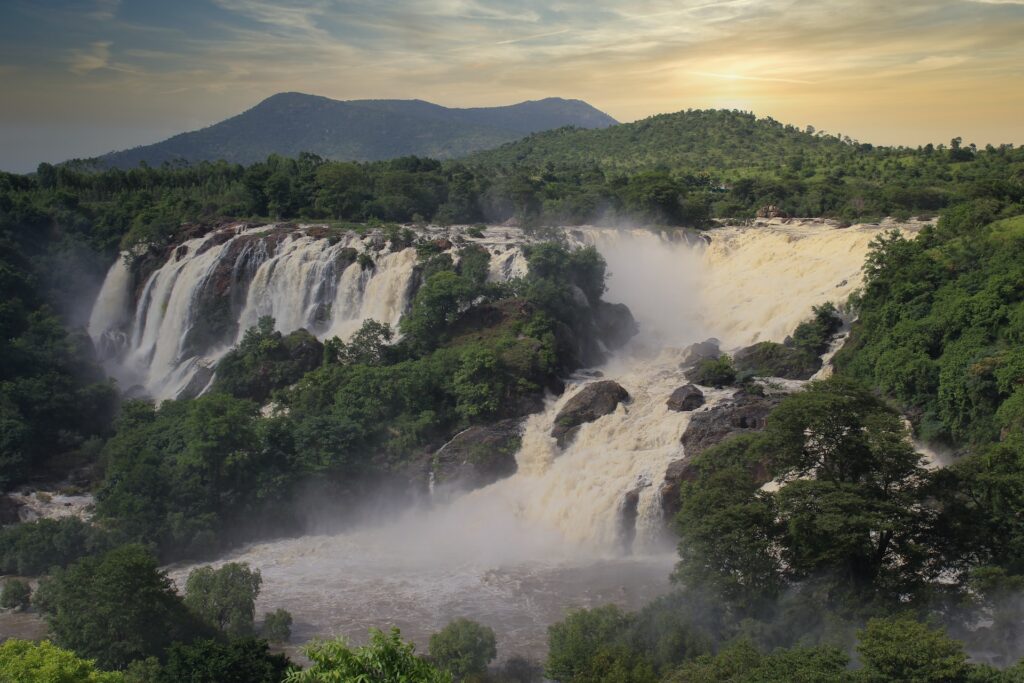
<point x="342" y="585"/>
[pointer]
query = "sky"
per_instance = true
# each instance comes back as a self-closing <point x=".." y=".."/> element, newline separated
<point x="84" y="77"/>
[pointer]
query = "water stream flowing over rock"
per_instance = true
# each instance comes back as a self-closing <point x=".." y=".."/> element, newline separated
<point x="580" y="524"/>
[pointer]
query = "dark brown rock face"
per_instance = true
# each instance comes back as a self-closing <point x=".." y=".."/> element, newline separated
<point x="686" y="397"/>
<point x="593" y="401"/>
<point x="742" y="414"/>
<point x="694" y="354"/>
<point x="478" y="456"/>
<point x="678" y="471"/>
<point x="615" y="324"/>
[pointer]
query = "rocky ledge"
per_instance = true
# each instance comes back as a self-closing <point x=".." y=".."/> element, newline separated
<point x="593" y="401"/>
<point x="477" y="457"/>
<point x="742" y="414"/>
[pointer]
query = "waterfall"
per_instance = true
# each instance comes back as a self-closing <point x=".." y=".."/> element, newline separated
<point x="200" y="301"/>
<point x="745" y="285"/>
<point x="516" y="554"/>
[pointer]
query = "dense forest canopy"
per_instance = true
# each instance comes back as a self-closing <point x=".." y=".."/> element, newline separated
<point x="860" y="564"/>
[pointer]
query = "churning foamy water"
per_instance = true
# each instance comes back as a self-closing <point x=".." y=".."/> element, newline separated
<point x="517" y="554"/>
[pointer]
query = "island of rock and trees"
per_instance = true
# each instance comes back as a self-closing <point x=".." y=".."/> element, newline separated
<point x="857" y="564"/>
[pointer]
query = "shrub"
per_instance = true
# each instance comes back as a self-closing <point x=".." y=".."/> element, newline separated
<point x="385" y="659"/>
<point x="225" y="597"/>
<point x="277" y="626"/>
<point x="463" y="648"/>
<point x="714" y="372"/>
<point x="22" y="661"/>
<point x="16" y="595"/>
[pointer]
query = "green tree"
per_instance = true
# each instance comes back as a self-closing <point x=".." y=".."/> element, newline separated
<point x="385" y="659"/>
<point x="370" y="345"/>
<point x="17" y="594"/>
<point x="463" y="648"/>
<point x="849" y="508"/>
<point x="211" y="661"/>
<point x="742" y="662"/>
<point x="22" y="661"/>
<point x="277" y="626"/>
<point x="225" y="597"/>
<point x="438" y="303"/>
<point x="901" y="649"/>
<point x="116" y="608"/>
<point x="574" y="642"/>
<point x="33" y="548"/>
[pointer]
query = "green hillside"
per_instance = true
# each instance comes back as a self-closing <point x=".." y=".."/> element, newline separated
<point x="693" y="140"/>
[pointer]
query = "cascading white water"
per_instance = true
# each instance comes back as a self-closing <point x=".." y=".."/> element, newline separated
<point x="211" y="289"/>
<point x="516" y="554"/>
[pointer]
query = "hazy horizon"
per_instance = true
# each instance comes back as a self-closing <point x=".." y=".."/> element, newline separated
<point x="85" y="77"/>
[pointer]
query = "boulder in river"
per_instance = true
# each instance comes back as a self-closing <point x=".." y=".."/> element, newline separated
<point x="478" y="456"/>
<point x="695" y="354"/>
<point x="595" y="400"/>
<point x="615" y="324"/>
<point x="685" y="398"/>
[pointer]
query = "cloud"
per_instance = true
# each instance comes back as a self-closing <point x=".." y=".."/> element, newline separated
<point x="86" y="61"/>
<point x="533" y="37"/>
<point x="741" y="77"/>
<point x="106" y="9"/>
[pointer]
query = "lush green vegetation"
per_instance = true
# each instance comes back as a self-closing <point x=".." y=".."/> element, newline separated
<point x="179" y="475"/>
<point x="463" y="648"/>
<point x="32" y="548"/>
<point x="688" y="166"/>
<point x="942" y="325"/>
<point x="54" y="401"/>
<point x="16" y="594"/>
<point x="387" y="658"/>
<point x="857" y="554"/>
<point x="27" y="662"/>
<point x="266" y="361"/>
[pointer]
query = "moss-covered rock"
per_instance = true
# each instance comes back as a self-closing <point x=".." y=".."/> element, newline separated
<point x="769" y="359"/>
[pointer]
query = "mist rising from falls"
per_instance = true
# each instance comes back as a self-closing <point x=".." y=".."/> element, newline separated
<point x="517" y="553"/>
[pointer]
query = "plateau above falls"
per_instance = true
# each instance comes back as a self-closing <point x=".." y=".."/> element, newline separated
<point x="577" y="524"/>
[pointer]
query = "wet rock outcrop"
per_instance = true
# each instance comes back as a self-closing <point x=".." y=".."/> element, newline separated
<point x="478" y="456"/>
<point x="685" y="398"/>
<point x="615" y="324"/>
<point x="695" y="354"/>
<point x="743" y="414"/>
<point x="769" y="359"/>
<point x="593" y="401"/>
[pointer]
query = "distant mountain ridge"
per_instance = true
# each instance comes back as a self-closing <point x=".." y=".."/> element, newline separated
<point x="360" y="130"/>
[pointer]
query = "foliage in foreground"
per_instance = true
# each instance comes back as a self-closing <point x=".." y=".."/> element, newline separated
<point x="22" y="661"/>
<point x="116" y="608"/>
<point x="385" y="659"/>
<point x="463" y="648"/>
